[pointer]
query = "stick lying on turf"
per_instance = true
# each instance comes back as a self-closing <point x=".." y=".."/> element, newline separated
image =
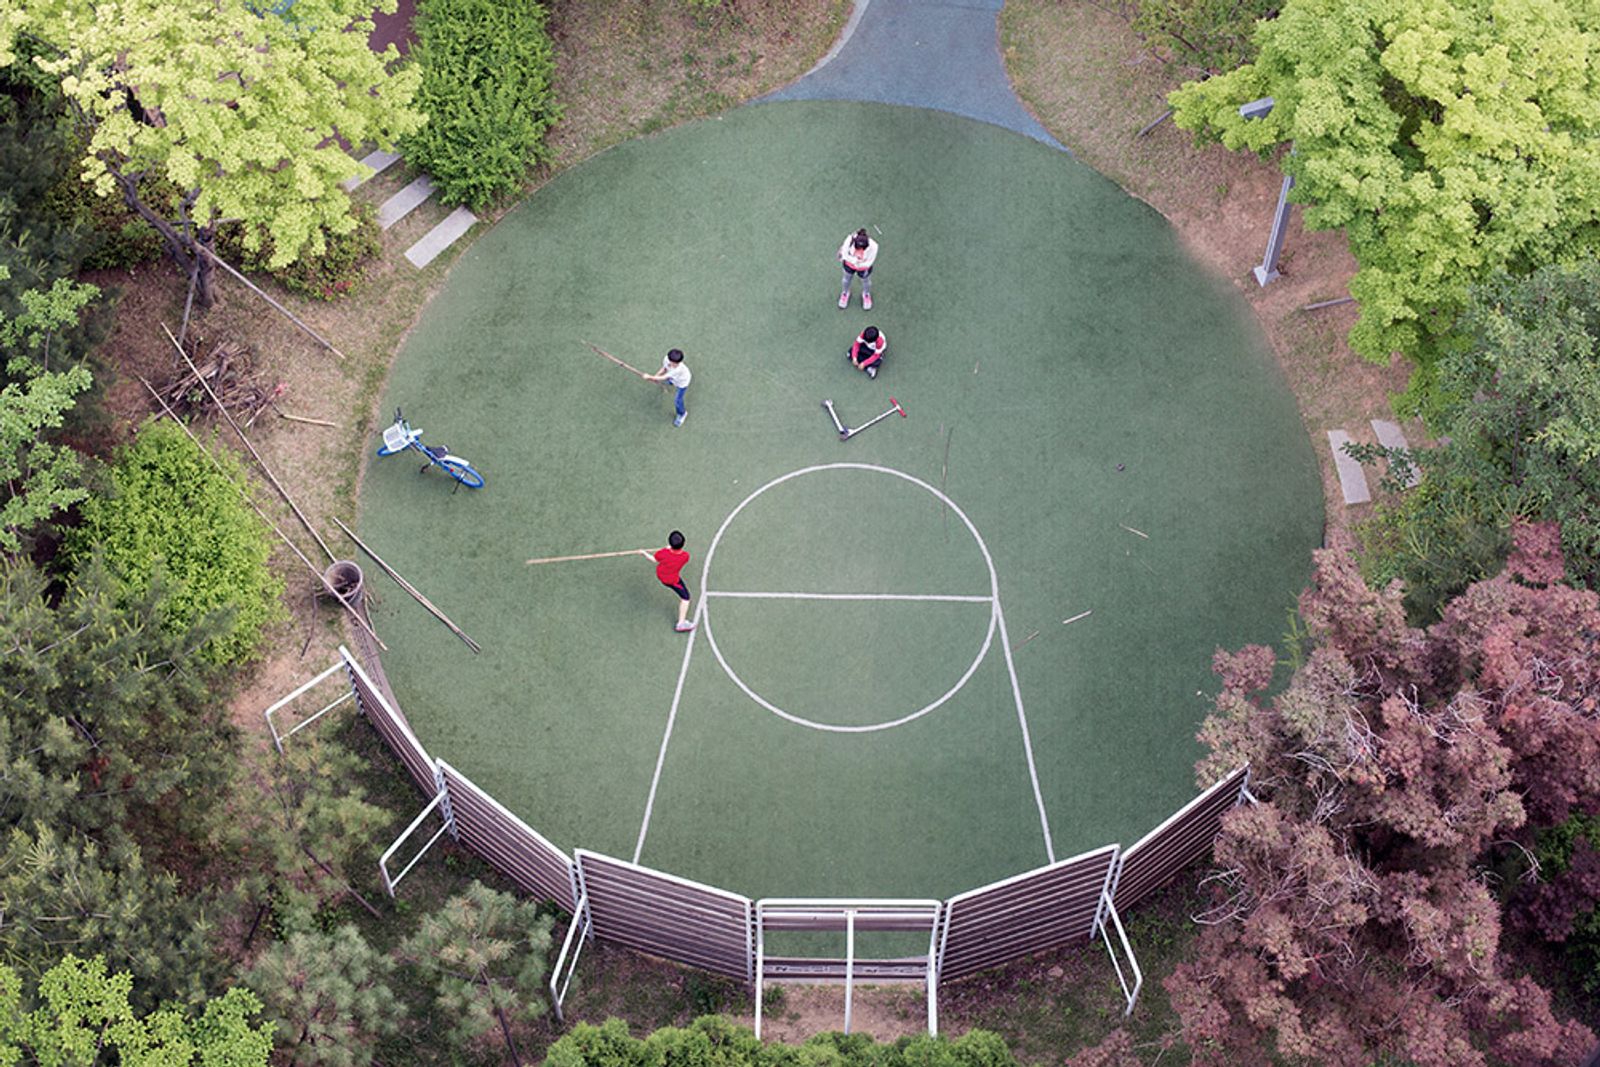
<point x="591" y="555"/>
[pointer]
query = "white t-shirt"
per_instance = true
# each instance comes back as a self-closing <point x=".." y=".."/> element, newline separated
<point x="677" y="374"/>
<point x="858" y="258"/>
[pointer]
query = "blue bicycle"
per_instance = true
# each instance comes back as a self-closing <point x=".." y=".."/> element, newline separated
<point x="400" y="437"/>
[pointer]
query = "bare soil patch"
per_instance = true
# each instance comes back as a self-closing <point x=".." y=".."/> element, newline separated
<point x="1093" y="84"/>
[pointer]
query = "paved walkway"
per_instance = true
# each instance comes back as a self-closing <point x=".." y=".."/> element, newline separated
<point x="939" y="54"/>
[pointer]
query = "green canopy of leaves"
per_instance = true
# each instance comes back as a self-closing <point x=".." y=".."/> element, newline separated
<point x="236" y="105"/>
<point x="1450" y="139"/>
<point x="84" y="1013"/>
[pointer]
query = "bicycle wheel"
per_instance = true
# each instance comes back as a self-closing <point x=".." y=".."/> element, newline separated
<point x="462" y="473"/>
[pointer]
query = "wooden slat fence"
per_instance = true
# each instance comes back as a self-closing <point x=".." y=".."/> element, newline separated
<point x="513" y="847"/>
<point x="669" y="916"/>
<point x="1028" y="913"/>
<point x="386" y="719"/>
<point x="1183" y="838"/>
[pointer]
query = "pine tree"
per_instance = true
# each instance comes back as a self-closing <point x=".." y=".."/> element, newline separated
<point x="485" y="953"/>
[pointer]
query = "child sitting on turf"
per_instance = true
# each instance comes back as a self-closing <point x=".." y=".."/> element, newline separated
<point x="867" y="353"/>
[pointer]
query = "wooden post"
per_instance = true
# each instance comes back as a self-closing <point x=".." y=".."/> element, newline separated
<point x="285" y="312"/>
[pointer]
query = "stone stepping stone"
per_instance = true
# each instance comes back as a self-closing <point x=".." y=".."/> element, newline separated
<point x="1391" y="436"/>
<point x="1352" y="479"/>
<point x="440" y="237"/>
<point x="405" y="201"/>
<point x="379" y="161"/>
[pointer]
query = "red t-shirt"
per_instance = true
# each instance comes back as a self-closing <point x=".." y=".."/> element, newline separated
<point x="669" y="564"/>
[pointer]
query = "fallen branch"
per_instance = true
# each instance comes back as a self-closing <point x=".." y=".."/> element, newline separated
<point x="408" y="587"/>
<point x="302" y="418"/>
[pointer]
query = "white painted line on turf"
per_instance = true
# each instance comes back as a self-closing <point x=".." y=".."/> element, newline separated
<point x="1027" y="740"/>
<point x="711" y="639"/>
<point x="672" y="717"/>
<point x="945" y="598"/>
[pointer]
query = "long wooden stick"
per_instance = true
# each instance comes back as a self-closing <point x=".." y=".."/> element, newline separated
<point x="285" y="312"/>
<point x="408" y="587"/>
<point x="592" y="555"/>
<point x="245" y="495"/>
<point x="302" y="418"/>
<point x="222" y="409"/>
<point x="625" y="366"/>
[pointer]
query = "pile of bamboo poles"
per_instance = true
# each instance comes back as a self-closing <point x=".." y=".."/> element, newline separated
<point x="225" y="376"/>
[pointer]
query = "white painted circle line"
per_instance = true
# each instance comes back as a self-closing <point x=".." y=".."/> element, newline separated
<point x="993" y="599"/>
<point x="711" y="639"/>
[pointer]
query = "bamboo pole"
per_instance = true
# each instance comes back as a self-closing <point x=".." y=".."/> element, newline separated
<point x="302" y="418"/>
<point x="244" y="494"/>
<point x="625" y="366"/>
<point x="287" y="499"/>
<point x="285" y="312"/>
<point x="592" y="555"/>
<point x="408" y="587"/>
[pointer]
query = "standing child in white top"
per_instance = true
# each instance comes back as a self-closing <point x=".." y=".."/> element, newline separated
<point x="857" y="254"/>
<point x="673" y="370"/>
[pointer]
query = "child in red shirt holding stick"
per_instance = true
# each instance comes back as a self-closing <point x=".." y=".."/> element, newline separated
<point x="670" y="562"/>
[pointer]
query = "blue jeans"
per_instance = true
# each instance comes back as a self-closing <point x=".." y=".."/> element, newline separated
<point x="679" y="400"/>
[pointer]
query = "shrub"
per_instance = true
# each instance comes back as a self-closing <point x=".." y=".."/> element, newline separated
<point x="714" y="1039"/>
<point x="172" y="512"/>
<point x="339" y="270"/>
<point x="486" y="72"/>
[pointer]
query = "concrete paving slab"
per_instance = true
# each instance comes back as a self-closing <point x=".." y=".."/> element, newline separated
<point x="1352" y="478"/>
<point x="441" y="237"/>
<point x="405" y="202"/>
<point x="1390" y="435"/>
<point x="379" y="161"/>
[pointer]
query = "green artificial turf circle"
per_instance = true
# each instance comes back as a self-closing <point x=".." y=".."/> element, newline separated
<point x="1102" y="410"/>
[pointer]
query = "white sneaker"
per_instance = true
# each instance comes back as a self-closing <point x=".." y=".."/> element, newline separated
<point x="872" y="371"/>
<point x="866" y="301"/>
<point x="679" y="420"/>
<point x="684" y="626"/>
<point x="844" y="299"/>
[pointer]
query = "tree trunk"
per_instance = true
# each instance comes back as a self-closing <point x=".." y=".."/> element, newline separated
<point x="180" y="243"/>
<point x="505" y="1028"/>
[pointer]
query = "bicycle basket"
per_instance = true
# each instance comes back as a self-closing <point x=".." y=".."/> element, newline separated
<point x="395" y="438"/>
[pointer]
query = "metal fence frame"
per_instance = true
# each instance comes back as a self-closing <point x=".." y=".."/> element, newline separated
<point x="703" y="926"/>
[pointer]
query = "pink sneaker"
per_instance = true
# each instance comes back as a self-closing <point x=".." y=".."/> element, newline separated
<point x="866" y="301"/>
<point x="844" y="299"/>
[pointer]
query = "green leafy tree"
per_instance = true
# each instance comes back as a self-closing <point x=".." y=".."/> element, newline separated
<point x="484" y="952"/>
<point x="85" y="1017"/>
<point x="61" y="893"/>
<point x="171" y="512"/>
<point x="328" y="996"/>
<point x="236" y="108"/>
<point x="107" y="727"/>
<point x="1449" y="139"/>
<point x="1519" y="407"/>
